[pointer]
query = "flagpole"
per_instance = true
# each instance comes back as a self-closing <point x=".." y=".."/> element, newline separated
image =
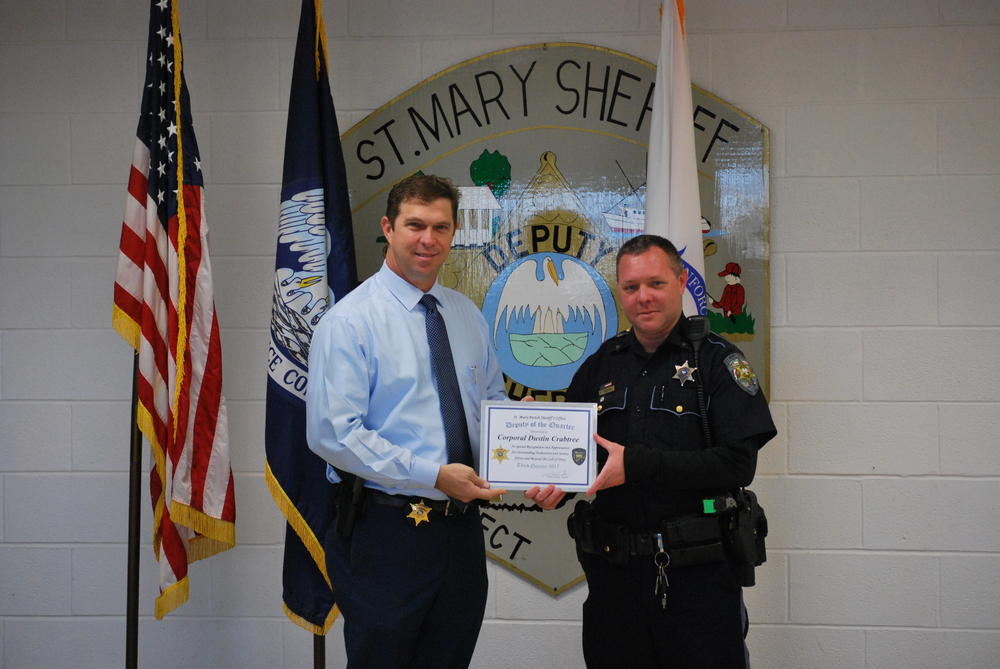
<point x="134" y="485"/>
<point x="319" y="651"/>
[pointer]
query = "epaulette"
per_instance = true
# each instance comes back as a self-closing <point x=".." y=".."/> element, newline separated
<point x="619" y="341"/>
<point x="719" y="340"/>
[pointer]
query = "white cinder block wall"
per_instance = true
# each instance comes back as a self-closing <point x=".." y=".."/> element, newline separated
<point x="882" y="488"/>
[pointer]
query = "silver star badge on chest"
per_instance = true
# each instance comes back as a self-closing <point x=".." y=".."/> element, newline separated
<point x="684" y="373"/>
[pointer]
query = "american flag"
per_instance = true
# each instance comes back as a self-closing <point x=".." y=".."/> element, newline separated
<point x="163" y="307"/>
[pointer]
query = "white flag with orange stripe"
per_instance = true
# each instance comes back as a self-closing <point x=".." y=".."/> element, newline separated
<point x="673" y="209"/>
<point x="163" y="306"/>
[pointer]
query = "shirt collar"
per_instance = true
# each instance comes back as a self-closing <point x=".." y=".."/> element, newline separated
<point x="404" y="291"/>
<point x="676" y="336"/>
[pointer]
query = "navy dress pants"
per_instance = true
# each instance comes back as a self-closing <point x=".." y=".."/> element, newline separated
<point x="412" y="597"/>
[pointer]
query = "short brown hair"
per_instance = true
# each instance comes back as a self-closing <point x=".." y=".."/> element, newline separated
<point x="422" y="188"/>
<point x="642" y="243"/>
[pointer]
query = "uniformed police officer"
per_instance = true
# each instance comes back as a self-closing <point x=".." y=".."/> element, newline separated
<point x="664" y="583"/>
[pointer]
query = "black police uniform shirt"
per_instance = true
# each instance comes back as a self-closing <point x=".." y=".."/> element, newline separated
<point x="643" y="405"/>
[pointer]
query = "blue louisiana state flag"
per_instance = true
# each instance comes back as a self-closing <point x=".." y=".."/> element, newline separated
<point x="314" y="266"/>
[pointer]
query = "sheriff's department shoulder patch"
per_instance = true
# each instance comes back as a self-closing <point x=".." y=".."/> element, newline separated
<point x="742" y="373"/>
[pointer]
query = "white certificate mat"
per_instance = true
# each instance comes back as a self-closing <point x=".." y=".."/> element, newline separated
<point x="524" y="444"/>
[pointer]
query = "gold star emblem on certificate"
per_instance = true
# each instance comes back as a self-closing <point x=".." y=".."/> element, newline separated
<point x="418" y="512"/>
<point x="500" y="454"/>
<point x="684" y="373"/>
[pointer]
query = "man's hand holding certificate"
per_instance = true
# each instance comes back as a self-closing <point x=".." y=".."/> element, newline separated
<point x="530" y="444"/>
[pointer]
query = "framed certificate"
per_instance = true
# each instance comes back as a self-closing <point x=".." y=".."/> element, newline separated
<point x="524" y="444"/>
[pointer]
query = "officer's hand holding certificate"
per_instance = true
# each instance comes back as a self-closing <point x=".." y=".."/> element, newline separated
<point x="538" y="444"/>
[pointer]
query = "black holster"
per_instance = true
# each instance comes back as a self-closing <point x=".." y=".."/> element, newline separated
<point x="348" y="502"/>
<point x="745" y="530"/>
<point x="596" y="537"/>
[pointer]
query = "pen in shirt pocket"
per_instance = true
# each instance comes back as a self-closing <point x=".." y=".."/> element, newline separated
<point x="474" y="372"/>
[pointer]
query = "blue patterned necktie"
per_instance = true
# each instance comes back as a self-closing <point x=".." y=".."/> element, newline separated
<point x="456" y="431"/>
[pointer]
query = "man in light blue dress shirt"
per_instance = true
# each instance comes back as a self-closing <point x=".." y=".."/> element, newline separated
<point x="411" y="578"/>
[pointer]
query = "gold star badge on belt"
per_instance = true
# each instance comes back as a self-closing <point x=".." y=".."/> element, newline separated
<point x="418" y="512"/>
<point x="684" y="373"/>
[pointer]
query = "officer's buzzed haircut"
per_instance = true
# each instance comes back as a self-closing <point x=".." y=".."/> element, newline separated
<point x="643" y="243"/>
<point x="423" y="188"/>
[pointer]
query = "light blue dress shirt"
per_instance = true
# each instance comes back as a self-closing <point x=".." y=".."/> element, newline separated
<point x="371" y="405"/>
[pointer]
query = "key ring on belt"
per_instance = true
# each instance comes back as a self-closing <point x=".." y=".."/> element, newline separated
<point x="661" y="559"/>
